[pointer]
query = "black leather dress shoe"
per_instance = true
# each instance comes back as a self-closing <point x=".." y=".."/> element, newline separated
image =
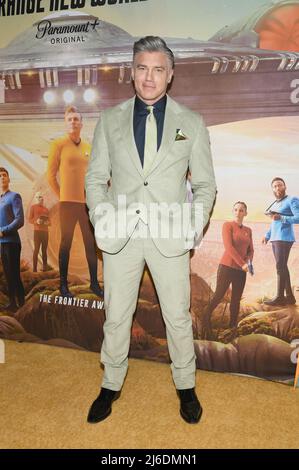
<point x="95" y="288"/>
<point x="276" y="301"/>
<point x="102" y="406"/>
<point x="190" y="409"/>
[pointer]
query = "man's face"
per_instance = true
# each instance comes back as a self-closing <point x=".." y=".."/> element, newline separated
<point x="4" y="180"/>
<point x="73" y="123"/>
<point x="151" y="73"/>
<point x="279" y="189"/>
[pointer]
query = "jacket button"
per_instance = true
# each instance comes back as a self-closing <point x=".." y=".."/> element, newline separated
<point x="145" y="183"/>
<point x="138" y="211"/>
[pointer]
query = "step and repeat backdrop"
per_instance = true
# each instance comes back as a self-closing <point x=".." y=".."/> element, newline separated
<point x="237" y="64"/>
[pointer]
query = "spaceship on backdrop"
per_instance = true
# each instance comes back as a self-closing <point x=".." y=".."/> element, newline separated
<point x="244" y="70"/>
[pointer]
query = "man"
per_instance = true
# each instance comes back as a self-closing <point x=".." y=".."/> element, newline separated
<point x="39" y="217"/>
<point x="11" y="220"/>
<point x="146" y="145"/>
<point x="284" y="212"/>
<point x="69" y="157"/>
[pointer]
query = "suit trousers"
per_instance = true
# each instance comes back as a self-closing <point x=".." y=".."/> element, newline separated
<point x="122" y="274"/>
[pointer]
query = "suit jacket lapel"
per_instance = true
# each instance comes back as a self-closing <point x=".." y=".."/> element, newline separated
<point x="171" y="124"/>
<point x="126" y="126"/>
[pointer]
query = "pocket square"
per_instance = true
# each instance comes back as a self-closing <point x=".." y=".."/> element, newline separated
<point x="180" y="135"/>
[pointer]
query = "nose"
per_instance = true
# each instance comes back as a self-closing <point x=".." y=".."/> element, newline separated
<point x="149" y="74"/>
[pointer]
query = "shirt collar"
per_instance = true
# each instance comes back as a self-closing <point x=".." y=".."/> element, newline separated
<point x="3" y="194"/>
<point x="282" y="198"/>
<point x="75" y="143"/>
<point x="236" y="223"/>
<point x="141" y="107"/>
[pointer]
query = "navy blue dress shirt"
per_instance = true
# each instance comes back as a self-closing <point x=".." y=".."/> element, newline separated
<point x="139" y="120"/>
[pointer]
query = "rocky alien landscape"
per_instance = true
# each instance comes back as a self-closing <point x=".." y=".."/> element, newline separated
<point x="260" y="347"/>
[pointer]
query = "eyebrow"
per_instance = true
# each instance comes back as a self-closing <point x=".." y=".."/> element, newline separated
<point x="154" y="66"/>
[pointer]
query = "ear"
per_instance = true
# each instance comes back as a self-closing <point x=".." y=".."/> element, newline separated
<point x="170" y="75"/>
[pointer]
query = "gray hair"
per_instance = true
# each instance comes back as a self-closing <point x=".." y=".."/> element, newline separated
<point x="153" y="44"/>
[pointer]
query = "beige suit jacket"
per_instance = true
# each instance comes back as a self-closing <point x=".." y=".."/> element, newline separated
<point x="116" y="208"/>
